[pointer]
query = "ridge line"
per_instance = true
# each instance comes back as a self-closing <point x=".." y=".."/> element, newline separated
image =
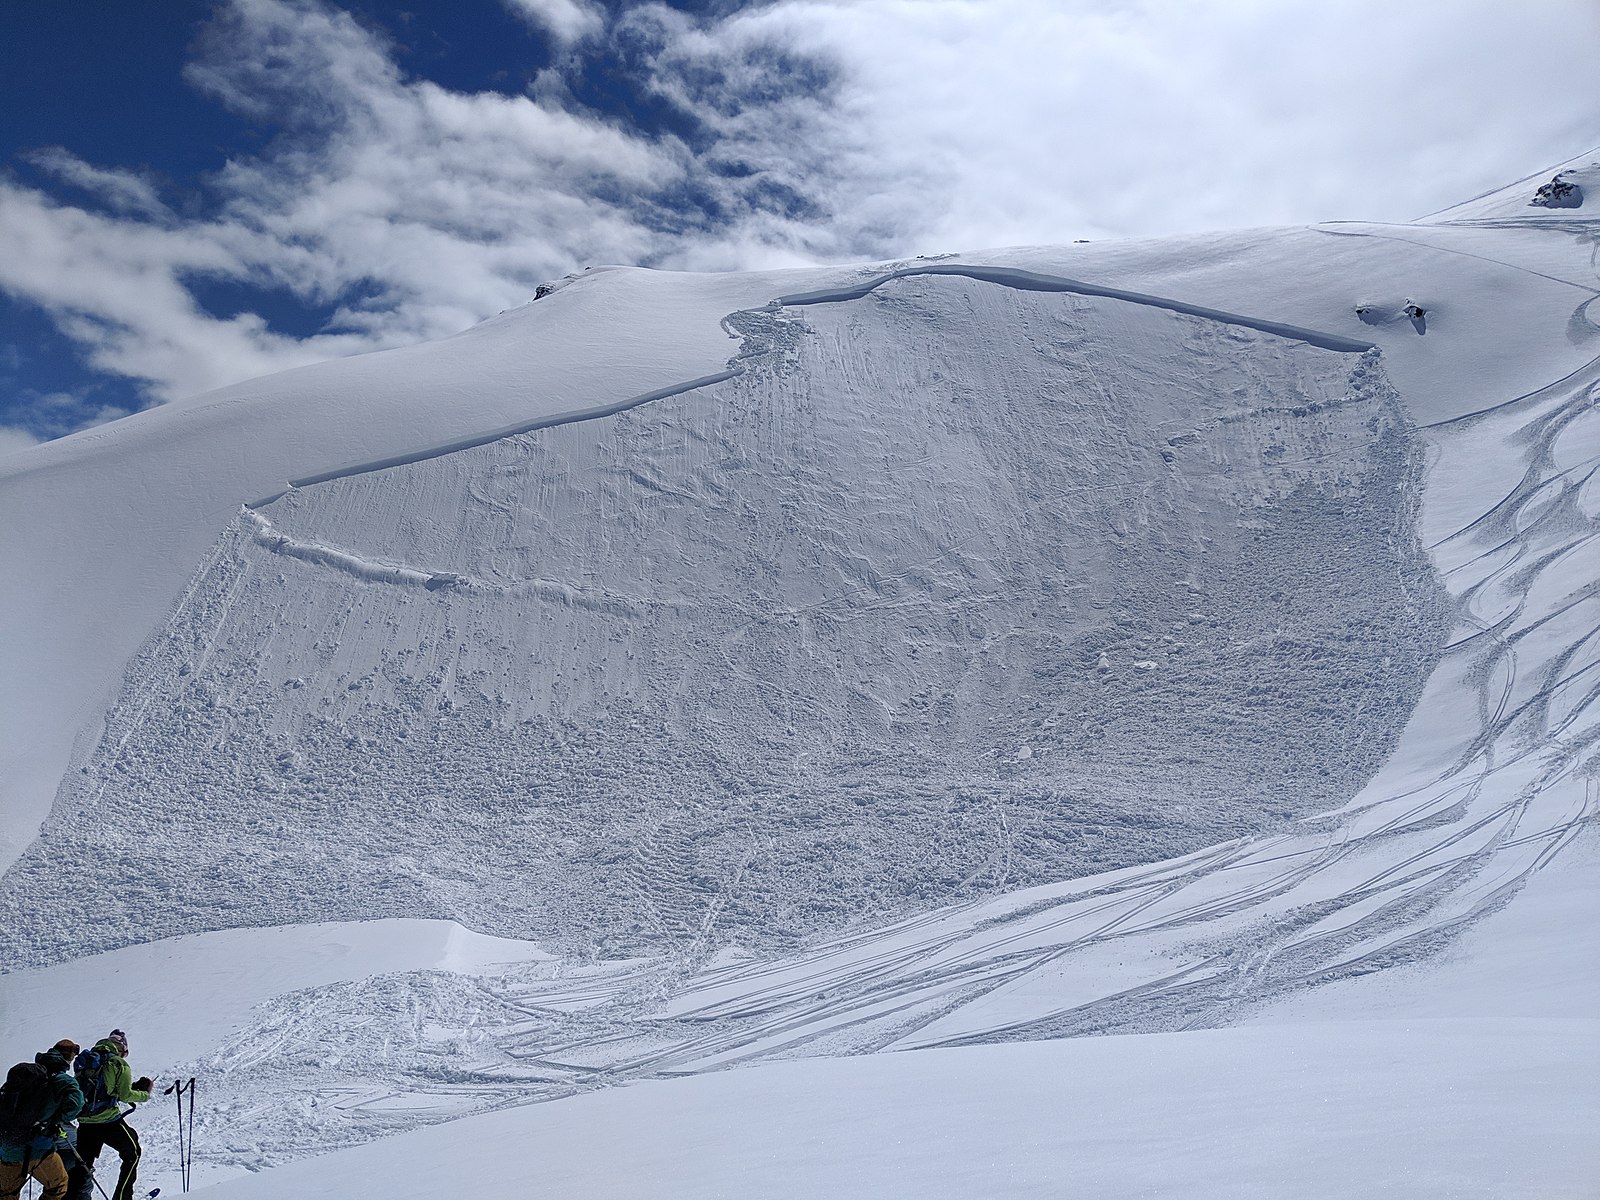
<point x="1012" y="277"/>
<point x="1033" y="281"/>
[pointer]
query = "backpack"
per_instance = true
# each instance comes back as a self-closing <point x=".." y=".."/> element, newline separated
<point x="90" y="1069"/>
<point x="24" y="1101"/>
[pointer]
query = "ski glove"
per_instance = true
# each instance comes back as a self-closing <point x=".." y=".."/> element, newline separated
<point x="143" y="1084"/>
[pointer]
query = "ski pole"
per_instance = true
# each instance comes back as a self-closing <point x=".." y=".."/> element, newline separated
<point x="185" y="1137"/>
<point x="92" y="1179"/>
<point x="175" y="1090"/>
<point x="188" y="1162"/>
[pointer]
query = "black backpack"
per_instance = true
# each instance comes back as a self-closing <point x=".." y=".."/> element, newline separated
<point x="90" y="1069"/>
<point x="24" y="1101"/>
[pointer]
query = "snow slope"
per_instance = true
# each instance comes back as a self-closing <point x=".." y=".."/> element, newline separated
<point x="1471" y="1111"/>
<point x="1134" y="640"/>
<point x="671" y="670"/>
<point x="178" y="473"/>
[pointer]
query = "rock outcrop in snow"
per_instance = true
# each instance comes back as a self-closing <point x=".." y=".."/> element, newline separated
<point x="1558" y="193"/>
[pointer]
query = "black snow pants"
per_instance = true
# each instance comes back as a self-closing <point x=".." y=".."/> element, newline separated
<point x="122" y="1138"/>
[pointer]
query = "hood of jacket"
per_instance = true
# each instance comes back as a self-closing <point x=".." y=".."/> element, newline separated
<point x="54" y="1061"/>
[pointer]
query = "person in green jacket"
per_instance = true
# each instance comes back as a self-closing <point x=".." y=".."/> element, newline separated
<point x="103" y="1122"/>
<point x="39" y="1157"/>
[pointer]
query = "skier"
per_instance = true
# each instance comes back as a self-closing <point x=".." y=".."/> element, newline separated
<point x="55" y="1102"/>
<point x="104" y="1074"/>
<point x="67" y="1130"/>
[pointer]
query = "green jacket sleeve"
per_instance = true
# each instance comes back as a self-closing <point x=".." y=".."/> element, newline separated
<point x="119" y="1083"/>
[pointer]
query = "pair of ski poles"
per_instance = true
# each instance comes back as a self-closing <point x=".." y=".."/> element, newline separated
<point x="185" y="1141"/>
<point x="185" y="1136"/>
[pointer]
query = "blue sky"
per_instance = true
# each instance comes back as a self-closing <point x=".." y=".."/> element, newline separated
<point x="194" y="192"/>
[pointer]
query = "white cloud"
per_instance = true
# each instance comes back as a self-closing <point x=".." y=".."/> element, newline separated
<point x="438" y="207"/>
<point x="116" y="287"/>
<point x="960" y="124"/>
<point x="820" y="130"/>
<point x="56" y="414"/>
<point x="121" y="191"/>
<point x="12" y="440"/>
<point x="566" y="20"/>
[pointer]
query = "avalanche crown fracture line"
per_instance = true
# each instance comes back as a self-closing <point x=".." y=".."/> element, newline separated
<point x="483" y="439"/>
<point x="1028" y="281"/>
<point x="1031" y="281"/>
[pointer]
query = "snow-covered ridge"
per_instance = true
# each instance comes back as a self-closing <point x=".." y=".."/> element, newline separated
<point x="1550" y="194"/>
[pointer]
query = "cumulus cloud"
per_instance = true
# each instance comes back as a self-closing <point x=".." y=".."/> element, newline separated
<point x="801" y="131"/>
<point x="56" y="414"/>
<point x="444" y="205"/>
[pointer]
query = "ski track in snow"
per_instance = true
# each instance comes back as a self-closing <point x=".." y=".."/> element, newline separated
<point x="1197" y="940"/>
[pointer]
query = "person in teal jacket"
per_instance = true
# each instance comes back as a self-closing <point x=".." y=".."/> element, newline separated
<point x="39" y="1157"/>
<point x="104" y="1122"/>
